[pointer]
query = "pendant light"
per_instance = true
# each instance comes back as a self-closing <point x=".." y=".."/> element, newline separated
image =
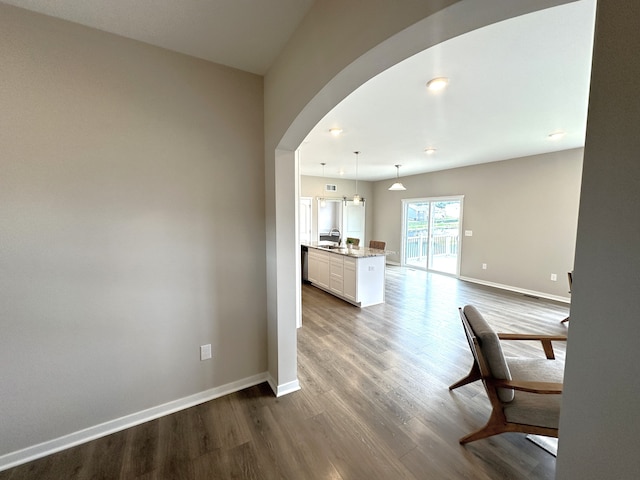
<point x="323" y="201"/>
<point x="398" y="185"/>
<point x="356" y="197"/>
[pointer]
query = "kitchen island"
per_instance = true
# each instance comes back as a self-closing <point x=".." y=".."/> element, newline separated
<point x="355" y="275"/>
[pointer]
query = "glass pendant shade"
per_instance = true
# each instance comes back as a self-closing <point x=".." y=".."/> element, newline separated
<point x="398" y="185"/>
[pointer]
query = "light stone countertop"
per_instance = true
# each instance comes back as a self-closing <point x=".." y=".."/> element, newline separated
<point x="356" y="252"/>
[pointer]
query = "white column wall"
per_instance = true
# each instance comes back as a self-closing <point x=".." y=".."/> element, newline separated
<point x="600" y="423"/>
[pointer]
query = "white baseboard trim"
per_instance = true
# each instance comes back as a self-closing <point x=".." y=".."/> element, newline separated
<point x="40" y="450"/>
<point x="284" y="389"/>
<point x="524" y="291"/>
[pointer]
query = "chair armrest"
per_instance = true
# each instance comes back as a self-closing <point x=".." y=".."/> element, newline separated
<point x="526" y="336"/>
<point x="544" y="339"/>
<point x="531" y="387"/>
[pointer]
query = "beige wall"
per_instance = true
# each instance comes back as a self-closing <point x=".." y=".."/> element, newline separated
<point x="131" y="227"/>
<point x="523" y="214"/>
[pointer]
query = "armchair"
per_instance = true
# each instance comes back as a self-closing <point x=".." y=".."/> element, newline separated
<point x="525" y="393"/>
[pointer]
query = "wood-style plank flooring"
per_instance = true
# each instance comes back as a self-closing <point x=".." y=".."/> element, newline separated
<point x="374" y="402"/>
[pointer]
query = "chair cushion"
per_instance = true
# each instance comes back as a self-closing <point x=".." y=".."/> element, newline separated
<point x="491" y="349"/>
<point x="536" y="369"/>
<point x="532" y="408"/>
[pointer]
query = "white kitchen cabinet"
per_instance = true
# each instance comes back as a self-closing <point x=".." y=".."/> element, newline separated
<point x="370" y="280"/>
<point x="349" y="277"/>
<point x="319" y="267"/>
<point x="336" y="267"/>
<point x="357" y="276"/>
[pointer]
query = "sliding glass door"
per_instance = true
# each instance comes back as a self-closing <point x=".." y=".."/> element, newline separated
<point x="431" y="233"/>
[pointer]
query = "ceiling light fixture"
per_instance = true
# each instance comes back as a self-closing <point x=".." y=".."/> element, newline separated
<point x="335" y="131"/>
<point x="429" y="150"/>
<point x="398" y="185"/>
<point x="557" y="135"/>
<point x="438" y="83"/>
<point x="322" y="200"/>
<point x="356" y="197"/>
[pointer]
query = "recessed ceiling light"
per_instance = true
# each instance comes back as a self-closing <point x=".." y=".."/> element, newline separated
<point x="557" y="135"/>
<point x="429" y="150"/>
<point x="437" y="83"/>
<point x="335" y="131"/>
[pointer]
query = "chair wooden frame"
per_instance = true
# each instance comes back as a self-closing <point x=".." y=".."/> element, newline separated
<point x="497" y="422"/>
<point x="377" y="244"/>
<point x="570" y="277"/>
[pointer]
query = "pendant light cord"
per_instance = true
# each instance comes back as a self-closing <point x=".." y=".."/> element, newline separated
<point x="357" y="153"/>
<point x="321" y="197"/>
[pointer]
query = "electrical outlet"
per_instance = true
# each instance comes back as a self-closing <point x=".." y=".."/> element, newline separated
<point x="484" y="266"/>
<point x="205" y="352"/>
<point x="554" y="277"/>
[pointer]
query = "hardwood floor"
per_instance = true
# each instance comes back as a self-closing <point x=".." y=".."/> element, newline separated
<point x="374" y="402"/>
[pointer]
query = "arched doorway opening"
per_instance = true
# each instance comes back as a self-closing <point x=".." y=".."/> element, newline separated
<point x="286" y="130"/>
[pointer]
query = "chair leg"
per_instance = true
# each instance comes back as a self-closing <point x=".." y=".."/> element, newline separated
<point x="547" y="346"/>
<point x="494" y="425"/>
<point x="484" y="432"/>
<point x="472" y="376"/>
<point x="497" y="424"/>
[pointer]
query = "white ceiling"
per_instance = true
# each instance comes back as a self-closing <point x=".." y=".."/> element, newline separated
<point x="244" y="34"/>
<point x="511" y="84"/>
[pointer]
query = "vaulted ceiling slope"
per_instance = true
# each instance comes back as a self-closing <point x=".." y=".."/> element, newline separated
<point x="244" y="34"/>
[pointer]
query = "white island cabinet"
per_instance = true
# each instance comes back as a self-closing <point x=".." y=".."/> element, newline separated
<point x="319" y="268"/>
<point x="356" y="276"/>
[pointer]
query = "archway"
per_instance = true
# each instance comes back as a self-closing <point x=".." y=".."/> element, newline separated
<point x="291" y="110"/>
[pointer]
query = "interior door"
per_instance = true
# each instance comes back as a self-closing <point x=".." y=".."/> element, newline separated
<point x="353" y="221"/>
<point x="305" y="220"/>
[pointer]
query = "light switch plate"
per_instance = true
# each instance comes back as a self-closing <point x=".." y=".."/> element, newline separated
<point x="205" y="352"/>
